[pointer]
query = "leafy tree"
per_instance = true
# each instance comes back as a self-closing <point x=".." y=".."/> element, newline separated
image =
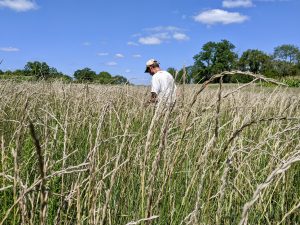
<point x="278" y="68"/>
<point x="214" y="58"/>
<point x="178" y="75"/>
<point x="85" y="75"/>
<point x="19" y="73"/>
<point x="172" y="71"/>
<point x="40" y="70"/>
<point x="8" y="73"/>
<point x="119" y="80"/>
<point x="253" y="60"/>
<point x="1" y="72"/>
<point x="104" y="78"/>
<point x="288" y="53"/>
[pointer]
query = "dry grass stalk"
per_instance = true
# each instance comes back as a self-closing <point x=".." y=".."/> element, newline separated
<point x="42" y="174"/>
<point x="142" y="220"/>
<point x="280" y="169"/>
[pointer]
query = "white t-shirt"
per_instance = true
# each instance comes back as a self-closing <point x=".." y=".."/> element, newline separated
<point x="163" y="85"/>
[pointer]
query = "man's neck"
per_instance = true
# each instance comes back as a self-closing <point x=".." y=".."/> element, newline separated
<point x="156" y="70"/>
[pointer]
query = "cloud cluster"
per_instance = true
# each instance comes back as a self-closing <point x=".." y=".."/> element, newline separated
<point x="161" y="34"/>
<point x="119" y="55"/>
<point x="214" y="16"/>
<point x="111" y="63"/>
<point x="9" y="49"/>
<point x="132" y="43"/>
<point x="18" y="5"/>
<point x="237" y="3"/>
<point x="102" y="54"/>
<point x="86" y="43"/>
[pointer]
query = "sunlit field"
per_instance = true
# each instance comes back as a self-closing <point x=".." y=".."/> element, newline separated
<point x="92" y="154"/>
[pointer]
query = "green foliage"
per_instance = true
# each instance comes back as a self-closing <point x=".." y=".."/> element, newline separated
<point x="172" y="71"/>
<point x="288" y="53"/>
<point x="85" y="75"/>
<point x="240" y="78"/>
<point x="253" y="60"/>
<point x="292" y="81"/>
<point x="40" y="70"/>
<point x="278" y="69"/>
<point x="214" y="58"/>
<point x="104" y="78"/>
<point x="118" y="79"/>
<point x="182" y="76"/>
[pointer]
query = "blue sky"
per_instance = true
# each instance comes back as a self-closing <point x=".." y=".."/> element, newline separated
<point x="120" y="36"/>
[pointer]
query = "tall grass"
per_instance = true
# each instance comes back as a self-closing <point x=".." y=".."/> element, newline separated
<point x="88" y="154"/>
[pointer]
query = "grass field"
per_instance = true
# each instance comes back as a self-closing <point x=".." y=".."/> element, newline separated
<point x="88" y="154"/>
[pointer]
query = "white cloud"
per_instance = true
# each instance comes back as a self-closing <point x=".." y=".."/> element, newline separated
<point x="150" y="40"/>
<point x="136" y="56"/>
<point x="119" y="55"/>
<point x="86" y="43"/>
<point x="214" y="16"/>
<point x="128" y="71"/>
<point x="160" y="34"/>
<point x="237" y="3"/>
<point x="9" y="49"/>
<point x="18" y="5"/>
<point x="180" y="36"/>
<point x="102" y="53"/>
<point x="111" y="63"/>
<point x="132" y="43"/>
<point x="163" y="29"/>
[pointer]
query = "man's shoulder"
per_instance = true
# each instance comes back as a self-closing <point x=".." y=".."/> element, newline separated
<point x="162" y="73"/>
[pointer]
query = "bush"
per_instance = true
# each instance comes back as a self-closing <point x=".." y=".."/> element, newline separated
<point x="240" y="78"/>
<point x="292" y="82"/>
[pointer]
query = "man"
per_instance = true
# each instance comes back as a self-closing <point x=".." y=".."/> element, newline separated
<point x="163" y="88"/>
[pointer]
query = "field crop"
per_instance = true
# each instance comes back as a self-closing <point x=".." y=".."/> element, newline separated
<point x="92" y="154"/>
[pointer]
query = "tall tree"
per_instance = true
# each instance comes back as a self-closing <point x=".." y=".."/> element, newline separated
<point x="118" y="79"/>
<point x="214" y="58"/>
<point x="288" y="53"/>
<point x="85" y="75"/>
<point x="253" y="60"/>
<point x="104" y="78"/>
<point x="40" y="70"/>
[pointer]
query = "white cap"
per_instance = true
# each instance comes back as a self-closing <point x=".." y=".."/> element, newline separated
<point x="150" y="62"/>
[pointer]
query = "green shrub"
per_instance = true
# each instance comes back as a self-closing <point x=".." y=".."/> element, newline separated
<point x="292" y="81"/>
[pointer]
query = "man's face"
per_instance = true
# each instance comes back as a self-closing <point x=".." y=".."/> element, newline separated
<point x="151" y="71"/>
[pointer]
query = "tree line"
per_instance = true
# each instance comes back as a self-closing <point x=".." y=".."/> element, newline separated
<point x="216" y="57"/>
<point x="42" y="71"/>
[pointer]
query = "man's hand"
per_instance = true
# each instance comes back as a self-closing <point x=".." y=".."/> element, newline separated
<point x="153" y="97"/>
